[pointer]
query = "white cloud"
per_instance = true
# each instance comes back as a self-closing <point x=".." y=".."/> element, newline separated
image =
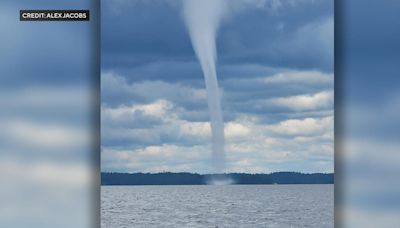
<point x="250" y="147"/>
<point x="187" y="147"/>
<point x="172" y="91"/>
<point x="111" y="82"/>
<point x="173" y="142"/>
<point x="194" y="129"/>
<point x="158" y="108"/>
<point x="304" y="77"/>
<point x="246" y="139"/>
<point x="151" y="90"/>
<point x="236" y="130"/>
<point x="123" y="123"/>
<point x="322" y="99"/>
<point x="156" y="158"/>
<point x="308" y="126"/>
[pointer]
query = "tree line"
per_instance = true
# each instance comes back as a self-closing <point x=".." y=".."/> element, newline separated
<point x="169" y="178"/>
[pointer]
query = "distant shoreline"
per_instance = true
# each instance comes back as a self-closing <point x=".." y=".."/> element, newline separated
<point x="169" y="178"/>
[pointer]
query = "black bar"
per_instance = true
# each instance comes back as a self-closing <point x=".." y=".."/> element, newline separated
<point x="54" y="15"/>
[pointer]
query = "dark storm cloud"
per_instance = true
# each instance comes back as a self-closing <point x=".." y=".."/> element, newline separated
<point x="261" y="36"/>
<point x="159" y="34"/>
<point x="258" y="36"/>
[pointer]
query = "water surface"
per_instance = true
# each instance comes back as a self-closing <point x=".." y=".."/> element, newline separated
<point x="217" y="206"/>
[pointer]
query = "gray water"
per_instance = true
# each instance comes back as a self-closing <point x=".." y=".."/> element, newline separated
<point x="217" y="206"/>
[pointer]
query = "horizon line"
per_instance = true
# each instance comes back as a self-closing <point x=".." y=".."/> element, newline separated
<point x="140" y="172"/>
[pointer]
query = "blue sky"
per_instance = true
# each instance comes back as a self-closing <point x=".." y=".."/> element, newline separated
<point x="275" y="70"/>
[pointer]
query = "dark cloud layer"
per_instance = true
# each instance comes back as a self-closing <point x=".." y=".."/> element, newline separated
<point x="144" y="32"/>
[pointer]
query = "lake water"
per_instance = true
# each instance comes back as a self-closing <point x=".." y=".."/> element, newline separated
<point x="217" y="206"/>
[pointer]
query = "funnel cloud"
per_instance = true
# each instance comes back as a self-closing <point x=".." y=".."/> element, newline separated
<point x="202" y="20"/>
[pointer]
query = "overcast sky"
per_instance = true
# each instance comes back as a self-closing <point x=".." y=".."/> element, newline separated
<point x="275" y="70"/>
